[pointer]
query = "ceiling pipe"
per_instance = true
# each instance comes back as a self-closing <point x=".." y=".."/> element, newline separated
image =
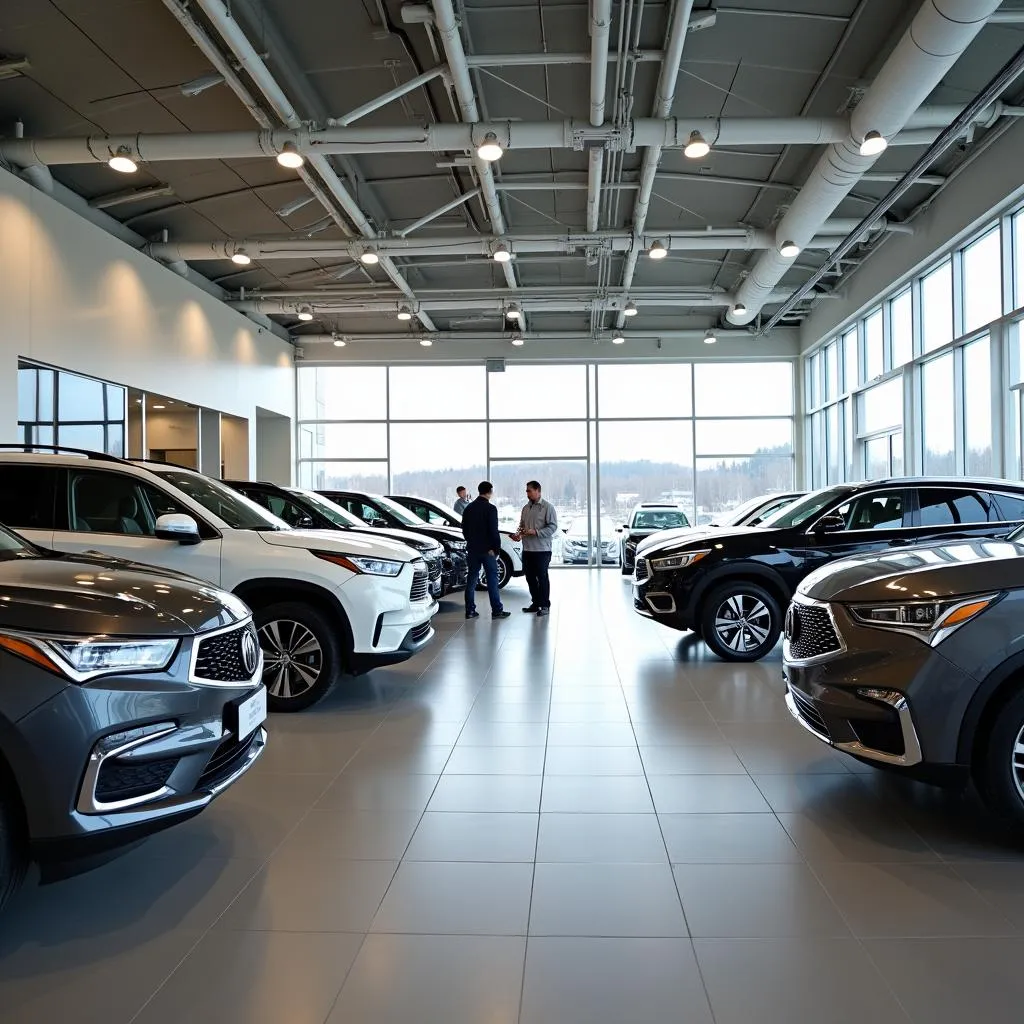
<point x="600" y="33"/>
<point x="478" y="337"/>
<point x="388" y="97"/>
<point x="678" y="27"/>
<point x="439" y="212"/>
<point x="939" y="34"/>
<point x="220" y="17"/>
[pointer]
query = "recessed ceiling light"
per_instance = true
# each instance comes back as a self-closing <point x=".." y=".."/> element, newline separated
<point x="290" y="157"/>
<point x="657" y="251"/>
<point x="305" y="313"/>
<point x="697" y="147"/>
<point x="159" y="406"/>
<point x="873" y="144"/>
<point x="710" y="337"/>
<point x="369" y="257"/>
<point x="404" y="313"/>
<point x="502" y="253"/>
<point x="789" y="249"/>
<point x="122" y="161"/>
<point x="426" y="342"/>
<point x="490" y="149"/>
<point x="630" y="309"/>
<point x="241" y="257"/>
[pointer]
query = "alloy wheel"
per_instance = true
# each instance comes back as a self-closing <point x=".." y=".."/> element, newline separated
<point x="292" y="658"/>
<point x="502" y="574"/>
<point x="743" y="623"/>
<point x="1018" y="763"/>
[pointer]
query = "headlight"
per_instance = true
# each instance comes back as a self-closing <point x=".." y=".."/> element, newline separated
<point x="930" y="621"/>
<point x="81" y="660"/>
<point x="678" y="561"/>
<point x="362" y="563"/>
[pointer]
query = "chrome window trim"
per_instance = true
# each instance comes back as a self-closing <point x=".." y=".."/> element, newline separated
<point x="818" y="658"/>
<point x="237" y="684"/>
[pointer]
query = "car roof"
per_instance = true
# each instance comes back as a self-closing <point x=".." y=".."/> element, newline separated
<point x="671" y="505"/>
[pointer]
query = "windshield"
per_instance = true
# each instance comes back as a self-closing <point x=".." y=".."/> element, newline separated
<point x="233" y="508"/>
<point x="805" y="509"/>
<point x="659" y="519"/>
<point x="335" y="513"/>
<point x="400" y="512"/>
<point x="12" y="546"/>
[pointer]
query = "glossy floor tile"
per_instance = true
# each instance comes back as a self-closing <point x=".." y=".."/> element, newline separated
<point x="586" y="818"/>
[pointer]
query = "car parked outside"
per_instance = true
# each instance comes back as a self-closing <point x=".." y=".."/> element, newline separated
<point x="306" y="510"/>
<point x="914" y="661"/>
<point x="581" y="540"/>
<point x="731" y="585"/>
<point x="323" y="602"/>
<point x="129" y="699"/>
<point x="647" y="519"/>
<point x="510" y="559"/>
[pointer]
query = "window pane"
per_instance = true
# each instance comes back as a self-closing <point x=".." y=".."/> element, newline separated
<point x="1018" y="258"/>
<point x="648" y="389"/>
<point x="351" y="441"/>
<point x="814" y="381"/>
<point x="116" y="398"/>
<point x="27" y="383"/>
<point x="723" y="483"/>
<point x="941" y="507"/>
<point x="901" y="317"/>
<point x="79" y="398"/>
<point x="817" y="446"/>
<point x="937" y="307"/>
<point x="533" y="440"/>
<point x="744" y="389"/>
<point x="744" y="437"/>
<point x="833" y="446"/>
<point x="1010" y="507"/>
<point x="430" y="460"/>
<point x="851" y="354"/>
<point x="632" y="470"/>
<point x="438" y="392"/>
<point x="876" y="458"/>
<point x="983" y="281"/>
<point x="549" y="390"/>
<point x="978" y="408"/>
<point x="354" y="476"/>
<point x="881" y="407"/>
<point x="874" y="346"/>
<point x="896" y="453"/>
<point x="82" y="435"/>
<point x="831" y="371"/>
<point x="937" y="406"/>
<point x="342" y="393"/>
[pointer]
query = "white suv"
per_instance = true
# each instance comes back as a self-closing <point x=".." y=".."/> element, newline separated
<point x="323" y="602"/>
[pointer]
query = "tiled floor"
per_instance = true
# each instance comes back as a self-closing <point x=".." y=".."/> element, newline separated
<point x="578" y="819"/>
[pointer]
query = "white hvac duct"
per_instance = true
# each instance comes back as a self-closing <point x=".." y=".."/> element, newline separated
<point x="600" y="31"/>
<point x="939" y="34"/>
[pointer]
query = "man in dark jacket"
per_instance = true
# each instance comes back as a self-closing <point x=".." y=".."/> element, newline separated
<point x="483" y="542"/>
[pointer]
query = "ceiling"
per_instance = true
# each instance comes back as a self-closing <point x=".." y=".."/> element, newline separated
<point x="118" y="67"/>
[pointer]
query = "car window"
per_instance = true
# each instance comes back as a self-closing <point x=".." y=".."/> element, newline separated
<point x="106" y="502"/>
<point x="945" y="506"/>
<point x="428" y="514"/>
<point x="359" y="509"/>
<point x="659" y="519"/>
<point x="880" y="510"/>
<point x="161" y="503"/>
<point x="284" y="508"/>
<point x="760" y="515"/>
<point x="28" y="496"/>
<point x="330" y="510"/>
<point x="233" y="508"/>
<point x="802" y="511"/>
<point x="1010" y="507"/>
<point x="12" y="546"/>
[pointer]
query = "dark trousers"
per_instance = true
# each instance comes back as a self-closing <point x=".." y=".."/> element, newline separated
<point x="535" y="568"/>
<point x="490" y="567"/>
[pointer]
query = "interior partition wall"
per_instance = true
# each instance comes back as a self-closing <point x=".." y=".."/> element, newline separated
<point x="599" y="436"/>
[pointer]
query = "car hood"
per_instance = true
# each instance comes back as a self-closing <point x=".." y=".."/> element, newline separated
<point x="341" y="543"/>
<point x="649" y="531"/>
<point x="680" y="540"/>
<point x="445" y="534"/>
<point x="85" y="596"/>
<point x="424" y="545"/>
<point x="922" y="572"/>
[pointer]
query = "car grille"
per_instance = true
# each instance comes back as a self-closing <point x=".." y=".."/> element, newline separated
<point x="642" y="570"/>
<point x="810" y="632"/>
<point x="225" y="758"/>
<point x="808" y="712"/>
<point x="418" y="633"/>
<point x="434" y="568"/>
<point x="219" y="658"/>
<point x="420" y="583"/>
<point x="126" y="781"/>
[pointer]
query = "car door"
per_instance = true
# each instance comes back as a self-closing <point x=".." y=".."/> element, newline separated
<point x="115" y="513"/>
<point x="956" y="512"/>
<point x="28" y="500"/>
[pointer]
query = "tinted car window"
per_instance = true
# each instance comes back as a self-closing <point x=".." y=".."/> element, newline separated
<point x="104" y="502"/>
<point x="237" y="511"/>
<point x="1010" y="507"/>
<point x="27" y="496"/>
<point x="942" y="506"/>
<point x="659" y="519"/>
<point x="880" y="510"/>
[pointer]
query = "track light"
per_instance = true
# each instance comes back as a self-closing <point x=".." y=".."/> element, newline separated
<point x="710" y="337"/>
<point x="789" y="249"/>
<point x="290" y="157"/>
<point x="122" y="161"/>
<point x="630" y="309"/>
<point x="517" y="340"/>
<point x="657" y="251"/>
<point x="513" y="312"/>
<point x="697" y="147"/>
<point x="241" y="257"/>
<point x="501" y="253"/>
<point x="404" y="312"/>
<point x="873" y="144"/>
<point x="369" y="257"/>
<point x="618" y="339"/>
<point x="490" y="149"/>
<point x="739" y="309"/>
<point x="426" y="342"/>
<point x="198" y="85"/>
<point x="305" y="314"/>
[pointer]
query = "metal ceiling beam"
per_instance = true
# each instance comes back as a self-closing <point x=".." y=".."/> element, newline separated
<point x="600" y="33"/>
<point x="388" y="97"/>
<point x="131" y="195"/>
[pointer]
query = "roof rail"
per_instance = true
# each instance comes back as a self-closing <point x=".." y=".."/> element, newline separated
<point x="60" y="449"/>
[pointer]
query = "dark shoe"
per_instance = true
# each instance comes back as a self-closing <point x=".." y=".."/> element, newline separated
<point x="472" y="615"/>
<point x="531" y="608"/>
<point x="500" y="615"/>
<point x="542" y="612"/>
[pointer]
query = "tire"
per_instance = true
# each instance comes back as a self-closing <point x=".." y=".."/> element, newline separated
<point x="13" y="861"/>
<point x="313" y="660"/>
<point x="998" y="774"/>
<point x="504" y="573"/>
<point x="735" y="601"/>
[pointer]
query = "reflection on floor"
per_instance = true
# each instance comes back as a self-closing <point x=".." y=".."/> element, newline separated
<point x="579" y="819"/>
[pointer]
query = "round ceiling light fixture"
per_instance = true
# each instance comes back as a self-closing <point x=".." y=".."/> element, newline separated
<point x="502" y="253"/>
<point x="122" y="161"/>
<point x="305" y="314"/>
<point x="710" y="337"/>
<point x="657" y="251"/>
<point x="369" y="257"/>
<point x="618" y="338"/>
<point x="739" y="309"/>
<point x="290" y="157"/>
<point x="490" y="149"/>
<point x="426" y="342"/>
<point x="513" y="312"/>
<point x="241" y="257"/>
<point x="518" y="340"/>
<point x="789" y="249"/>
<point x="404" y="312"/>
<point x="338" y="342"/>
<point x="630" y="309"/>
<point x="697" y="147"/>
<point x="873" y="144"/>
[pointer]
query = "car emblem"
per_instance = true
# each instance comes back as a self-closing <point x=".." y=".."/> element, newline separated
<point x="250" y="652"/>
<point x="792" y="627"/>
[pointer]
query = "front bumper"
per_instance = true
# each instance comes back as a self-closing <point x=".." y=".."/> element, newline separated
<point x="381" y="612"/>
<point x="456" y="572"/>
<point x="655" y="597"/>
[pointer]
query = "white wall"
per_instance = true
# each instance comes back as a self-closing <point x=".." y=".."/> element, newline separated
<point x="74" y="297"/>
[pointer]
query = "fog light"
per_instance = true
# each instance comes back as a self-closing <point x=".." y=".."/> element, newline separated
<point x="890" y="697"/>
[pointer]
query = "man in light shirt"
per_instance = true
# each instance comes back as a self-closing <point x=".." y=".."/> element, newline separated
<point x="462" y="500"/>
<point x="538" y="525"/>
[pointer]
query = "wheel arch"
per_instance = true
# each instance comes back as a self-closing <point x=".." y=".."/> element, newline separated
<point x="993" y="694"/>
<point x="733" y="572"/>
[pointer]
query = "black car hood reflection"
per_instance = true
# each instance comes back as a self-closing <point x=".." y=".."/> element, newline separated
<point x="86" y="595"/>
<point x="920" y="573"/>
<point x="684" y="539"/>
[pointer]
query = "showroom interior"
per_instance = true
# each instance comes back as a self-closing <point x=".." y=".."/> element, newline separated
<point x="683" y="254"/>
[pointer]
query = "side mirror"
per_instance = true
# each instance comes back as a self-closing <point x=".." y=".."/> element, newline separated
<point x="378" y="523"/>
<point x="303" y="522"/>
<point x="177" y="527"/>
<point x="831" y="523"/>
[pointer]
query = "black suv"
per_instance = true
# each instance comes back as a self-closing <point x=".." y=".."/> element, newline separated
<point x="381" y="512"/>
<point x="129" y="698"/>
<point x="307" y="510"/>
<point x="730" y="586"/>
<point x="914" y="661"/>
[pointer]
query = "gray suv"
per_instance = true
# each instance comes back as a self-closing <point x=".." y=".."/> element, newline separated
<point x="914" y="661"/>
<point x="129" y="698"/>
